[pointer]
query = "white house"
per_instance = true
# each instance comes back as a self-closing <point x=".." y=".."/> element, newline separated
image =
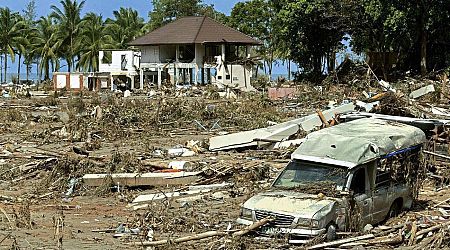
<point x="192" y="49"/>
<point x="118" y="67"/>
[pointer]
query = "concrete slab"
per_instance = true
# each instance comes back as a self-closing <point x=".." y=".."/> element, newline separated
<point x="276" y="133"/>
<point x="422" y="91"/>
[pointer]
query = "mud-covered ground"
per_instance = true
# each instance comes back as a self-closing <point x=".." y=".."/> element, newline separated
<point x="43" y="146"/>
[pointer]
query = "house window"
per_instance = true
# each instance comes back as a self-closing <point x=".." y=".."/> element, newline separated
<point x="107" y="57"/>
<point x="186" y="53"/>
<point x="219" y="77"/>
<point x="228" y="77"/>
<point x="123" y="64"/>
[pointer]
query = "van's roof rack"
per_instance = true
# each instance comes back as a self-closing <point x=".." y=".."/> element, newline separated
<point x="356" y="142"/>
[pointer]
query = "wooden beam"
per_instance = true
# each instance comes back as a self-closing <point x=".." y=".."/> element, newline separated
<point x="180" y="240"/>
<point x="252" y="227"/>
<point x="340" y="242"/>
<point x="322" y="118"/>
<point x="148" y="179"/>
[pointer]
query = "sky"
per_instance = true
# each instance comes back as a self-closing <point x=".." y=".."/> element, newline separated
<point x="106" y="7"/>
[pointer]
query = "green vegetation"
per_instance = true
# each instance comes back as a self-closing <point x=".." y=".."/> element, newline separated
<point x="307" y="32"/>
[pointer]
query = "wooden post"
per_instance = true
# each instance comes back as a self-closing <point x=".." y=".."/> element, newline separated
<point x="322" y="118"/>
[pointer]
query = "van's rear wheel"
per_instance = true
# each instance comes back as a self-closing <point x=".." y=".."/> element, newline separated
<point x="331" y="232"/>
<point x="395" y="209"/>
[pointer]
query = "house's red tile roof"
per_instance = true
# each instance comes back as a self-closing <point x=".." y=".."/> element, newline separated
<point x="189" y="30"/>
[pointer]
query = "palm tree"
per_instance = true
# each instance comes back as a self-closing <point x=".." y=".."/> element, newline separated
<point x="94" y="39"/>
<point x="126" y="26"/>
<point x="68" y="19"/>
<point x="22" y="44"/>
<point x="11" y="34"/>
<point x="46" y="46"/>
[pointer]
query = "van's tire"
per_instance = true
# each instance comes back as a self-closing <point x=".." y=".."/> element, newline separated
<point x="395" y="210"/>
<point x="331" y="232"/>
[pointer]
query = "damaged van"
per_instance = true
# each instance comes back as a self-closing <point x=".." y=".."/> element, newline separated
<point x="340" y="179"/>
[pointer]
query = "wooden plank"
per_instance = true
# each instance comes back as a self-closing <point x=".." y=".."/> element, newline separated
<point x="147" y="198"/>
<point x="179" y="240"/>
<point x="343" y="241"/>
<point x="148" y="179"/>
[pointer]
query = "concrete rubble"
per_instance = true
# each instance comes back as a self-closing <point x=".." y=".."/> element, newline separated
<point x="422" y="91"/>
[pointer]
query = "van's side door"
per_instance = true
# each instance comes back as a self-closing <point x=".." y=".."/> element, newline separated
<point x="363" y="198"/>
<point x="381" y="202"/>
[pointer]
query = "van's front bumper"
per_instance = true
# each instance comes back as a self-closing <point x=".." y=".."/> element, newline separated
<point x="297" y="235"/>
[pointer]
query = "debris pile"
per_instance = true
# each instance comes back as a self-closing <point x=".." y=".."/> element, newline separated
<point x="171" y="168"/>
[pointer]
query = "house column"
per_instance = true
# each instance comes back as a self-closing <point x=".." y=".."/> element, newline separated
<point x="196" y="75"/>
<point x="159" y="78"/>
<point x="208" y="75"/>
<point x="177" y="55"/>
<point x="223" y="53"/>
<point x="141" y="78"/>
<point x="132" y="82"/>
<point x="248" y="51"/>
<point x="112" y="83"/>
<point x="203" y="75"/>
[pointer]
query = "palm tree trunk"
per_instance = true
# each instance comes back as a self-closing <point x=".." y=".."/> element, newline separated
<point x="47" y="71"/>
<point x="69" y="64"/>
<point x="289" y="69"/>
<point x="38" y="72"/>
<point x="6" y="65"/>
<point x="18" y="68"/>
<point x="1" y="72"/>
<point x="28" y="70"/>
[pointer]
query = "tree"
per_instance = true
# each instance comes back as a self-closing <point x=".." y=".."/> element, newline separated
<point x="29" y="16"/>
<point x="68" y="19"/>
<point x="422" y="26"/>
<point x="312" y="31"/>
<point x="46" y="46"/>
<point x="255" y="18"/>
<point x="11" y="34"/>
<point x="126" y="26"/>
<point x="166" y="11"/>
<point x="21" y="44"/>
<point x="94" y="39"/>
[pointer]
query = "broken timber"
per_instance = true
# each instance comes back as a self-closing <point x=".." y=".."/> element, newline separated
<point x="276" y="133"/>
<point x="341" y="242"/>
<point x="209" y="234"/>
<point x="148" y="179"/>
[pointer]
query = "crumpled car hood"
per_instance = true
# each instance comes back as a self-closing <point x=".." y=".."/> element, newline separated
<point x="288" y="202"/>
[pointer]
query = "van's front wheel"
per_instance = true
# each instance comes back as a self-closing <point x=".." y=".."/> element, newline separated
<point x="331" y="232"/>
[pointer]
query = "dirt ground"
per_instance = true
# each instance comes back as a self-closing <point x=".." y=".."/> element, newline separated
<point x="40" y="142"/>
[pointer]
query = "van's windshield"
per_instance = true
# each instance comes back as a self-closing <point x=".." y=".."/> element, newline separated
<point x="300" y="173"/>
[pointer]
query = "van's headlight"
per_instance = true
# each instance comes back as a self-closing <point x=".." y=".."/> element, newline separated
<point x="307" y="223"/>
<point x="246" y="213"/>
<point x="303" y="222"/>
<point x="314" y="223"/>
